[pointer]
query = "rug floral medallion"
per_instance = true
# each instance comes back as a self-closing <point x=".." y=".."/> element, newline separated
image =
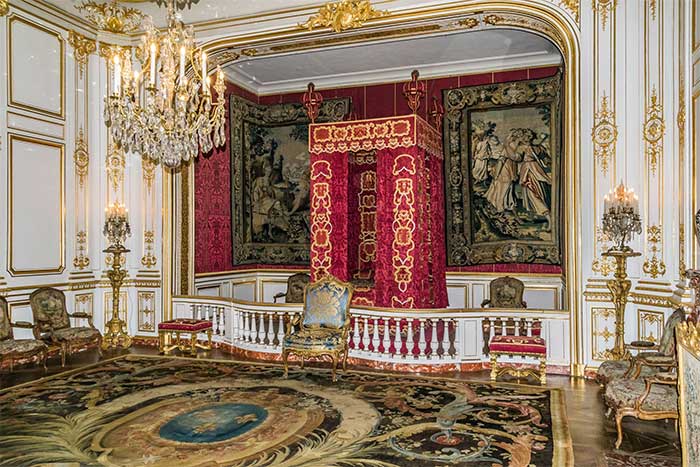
<point x="164" y="411"/>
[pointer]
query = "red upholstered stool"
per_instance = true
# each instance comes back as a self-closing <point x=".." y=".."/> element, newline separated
<point x="176" y="327"/>
<point x="532" y="346"/>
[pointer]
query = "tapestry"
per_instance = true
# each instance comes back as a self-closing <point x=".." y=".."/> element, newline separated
<point x="270" y="180"/>
<point x="689" y="392"/>
<point x="503" y="173"/>
<point x="167" y="411"/>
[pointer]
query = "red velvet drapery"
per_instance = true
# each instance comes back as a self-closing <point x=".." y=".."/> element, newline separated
<point x="407" y="249"/>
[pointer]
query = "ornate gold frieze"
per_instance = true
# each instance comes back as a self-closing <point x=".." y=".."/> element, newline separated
<point x="82" y="48"/>
<point x="681" y="251"/>
<point x="147" y="314"/>
<point x="468" y="23"/>
<point x="604" y="8"/>
<point x="115" y="166"/>
<point x="108" y="51"/>
<point x="222" y="58"/>
<point x="342" y="15"/>
<point x="249" y="52"/>
<point x="601" y="335"/>
<point x="4" y="7"/>
<point x="650" y="325"/>
<point x="148" y="260"/>
<point x="603" y="265"/>
<point x="149" y="172"/>
<point x="654" y="128"/>
<point x="81" y="261"/>
<point x="604" y="135"/>
<point x="654" y="266"/>
<point x="688" y="335"/>
<point x="572" y="6"/>
<point x="111" y="17"/>
<point x="519" y="21"/>
<point x="81" y="158"/>
<point x="652" y="9"/>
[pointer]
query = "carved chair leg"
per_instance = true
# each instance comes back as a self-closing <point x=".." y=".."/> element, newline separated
<point x="345" y="360"/>
<point x="618" y="424"/>
<point x="543" y="371"/>
<point x="44" y="355"/>
<point x="285" y="355"/>
<point x="209" y="339"/>
<point x="161" y="342"/>
<point x="334" y="365"/>
<point x="99" y="346"/>
<point x="494" y="366"/>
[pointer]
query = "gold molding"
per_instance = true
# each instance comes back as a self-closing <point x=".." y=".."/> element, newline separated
<point x="604" y="8"/>
<point x="144" y="299"/>
<point x="605" y="333"/>
<point x="12" y="137"/>
<point x="604" y="134"/>
<point x="116" y="162"/>
<point x="573" y="6"/>
<point x="10" y="78"/>
<point x="81" y="158"/>
<point x="654" y="129"/>
<point x="82" y="49"/>
<point x="4" y="7"/>
<point x="81" y="260"/>
<point x="655" y="267"/>
<point x="343" y="15"/>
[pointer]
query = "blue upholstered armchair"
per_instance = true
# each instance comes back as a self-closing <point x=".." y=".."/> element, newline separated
<point x="323" y="325"/>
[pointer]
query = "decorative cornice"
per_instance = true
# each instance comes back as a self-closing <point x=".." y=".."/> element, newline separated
<point x="82" y="48"/>
<point x="4" y="7"/>
<point x="111" y="17"/>
<point x="572" y="6"/>
<point x="342" y="15"/>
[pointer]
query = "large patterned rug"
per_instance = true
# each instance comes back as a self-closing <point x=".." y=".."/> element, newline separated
<point x="165" y="411"/>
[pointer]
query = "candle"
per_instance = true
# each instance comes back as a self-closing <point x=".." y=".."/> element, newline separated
<point x="182" y="65"/>
<point x="117" y="75"/>
<point x="153" y="65"/>
<point x="207" y="83"/>
<point x="204" y="68"/>
<point x="136" y="86"/>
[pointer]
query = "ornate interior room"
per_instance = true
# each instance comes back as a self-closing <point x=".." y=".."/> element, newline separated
<point x="350" y="233"/>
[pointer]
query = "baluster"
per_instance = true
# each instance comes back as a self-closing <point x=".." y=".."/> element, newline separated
<point x="192" y="308"/>
<point x="433" y="338"/>
<point x="246" y="326"/>
<point x="375" y="335"/>
<point x="262" y="332"/>
<point x="529" y="328"/>
<point x="504" y="327"/>
<point x="364" y="345"/>
<point x="280" y="329"/>
<point x="271" y="329"/>
<point x="222" y="323"/>
<point x="422" y="344"/>
<point x="453" y="339"/>
<point x="386" y="343"/>
<point x="254" y="328"/>
<point x="409" y="337"/>
<point x="356" y="333"/>
<point x="445" y="338"/>
<point x="397" y="336"/>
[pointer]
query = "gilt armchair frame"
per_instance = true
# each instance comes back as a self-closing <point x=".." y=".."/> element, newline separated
<point x="668" y="379"/>
<point x="44" y="330"/>
<point x="41" y="351"/>
<point x="290" y="281"/>
<point x="336" y="354"/>
<point x="494" y="285"/>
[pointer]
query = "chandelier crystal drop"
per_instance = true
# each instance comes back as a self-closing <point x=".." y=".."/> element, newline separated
<point x="177" y="116"/>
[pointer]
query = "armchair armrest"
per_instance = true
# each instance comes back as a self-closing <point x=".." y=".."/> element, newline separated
<point x="293" y="321"/>
<point x="278" y="295"/>
<point x="666" y="378"/>
<point x="486" y="303"/>
<point x="23" y="325"/>
<point x="642" y="345"/>
<point x="82" y="315"/>
<point x="656" y="362"/>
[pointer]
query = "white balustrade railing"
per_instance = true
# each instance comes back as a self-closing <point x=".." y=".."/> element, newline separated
<point x="400" y="336"/>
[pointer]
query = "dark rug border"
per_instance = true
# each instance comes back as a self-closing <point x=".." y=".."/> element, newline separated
<point x="562" y="455"/>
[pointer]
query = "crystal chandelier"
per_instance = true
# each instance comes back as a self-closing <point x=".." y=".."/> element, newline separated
<point x="177" y="116"/>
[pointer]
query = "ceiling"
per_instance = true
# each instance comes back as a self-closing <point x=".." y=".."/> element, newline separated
<point x="391" y="61"/>
<point x="203" y="10"/>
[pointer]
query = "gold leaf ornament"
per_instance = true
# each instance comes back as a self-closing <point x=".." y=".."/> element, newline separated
<point x="343" y="15"/>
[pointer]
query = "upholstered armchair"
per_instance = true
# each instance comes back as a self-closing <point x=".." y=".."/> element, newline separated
<point x="505" y="292"/>
<point x="295" y="288"/>
<point x="651" y="398"/>
<point x="322" y="329"/>
<point x="52" y="323"/>
<point x="12" y="349"/>
<point x="650" y="359"/>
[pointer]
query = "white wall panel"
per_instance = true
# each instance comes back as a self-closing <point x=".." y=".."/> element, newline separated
<point x="36" y="72"/>
<point x="36" y="171"/>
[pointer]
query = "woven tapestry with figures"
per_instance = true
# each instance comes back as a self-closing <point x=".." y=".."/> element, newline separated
<point x="161" y="411"/>
<point x="270" y="179"/>
<point x="503" y="173"/>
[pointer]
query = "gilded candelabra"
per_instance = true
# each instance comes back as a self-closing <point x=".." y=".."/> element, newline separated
<point x="116" y="229"/>
<point x="620" y="221"/>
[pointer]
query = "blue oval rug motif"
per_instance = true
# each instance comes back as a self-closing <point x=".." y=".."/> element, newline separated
<point x="213" y="423"/>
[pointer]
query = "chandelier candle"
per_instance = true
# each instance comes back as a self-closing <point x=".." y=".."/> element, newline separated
<point x="621" y="217"/>
<point x="177" y="117"/>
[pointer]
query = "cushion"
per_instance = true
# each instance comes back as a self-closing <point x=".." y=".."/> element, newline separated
<point x="613" y="369"/>
<point x="326" y="304"/>
<point x="20" y="346"/>
<point x="518" y="345"/>
<point x="313" y="339"/>
<point x="185" y="325"/>
<point x="74" y="334"/>
<point x="667" y="344"/>
<point x="624" y="393"/>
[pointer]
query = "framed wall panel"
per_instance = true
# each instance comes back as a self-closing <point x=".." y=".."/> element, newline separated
<point x="36" y="71"/>
<point x="36" y="218"/>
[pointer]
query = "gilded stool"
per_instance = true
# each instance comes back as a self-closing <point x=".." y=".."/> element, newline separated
<point x="176" y="327"/>
<point x="518" y="346"/>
